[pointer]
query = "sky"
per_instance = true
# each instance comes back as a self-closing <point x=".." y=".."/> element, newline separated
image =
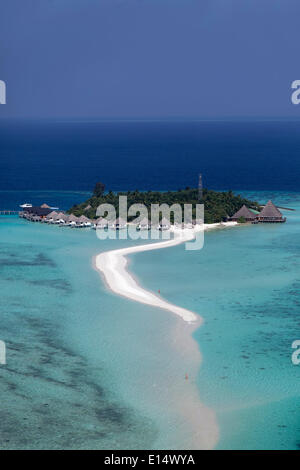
<point x="149" y="59"/>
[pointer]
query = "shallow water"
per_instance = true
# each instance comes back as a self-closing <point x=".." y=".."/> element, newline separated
<point x="88" y="369"/>
<point x="85" y="368"/>
<point x="245" y="284"/>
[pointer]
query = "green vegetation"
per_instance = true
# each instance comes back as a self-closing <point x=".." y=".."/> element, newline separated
<point x="242" y="220"/>
<point x="218" y="205"/>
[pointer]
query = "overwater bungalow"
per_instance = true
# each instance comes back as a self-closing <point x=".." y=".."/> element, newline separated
<point x="144" y="224"/>
<point x="100" y="223"/>
<point x="45" y="214"/>
<point x="71" y="220"/>
<point x="118" y="224"/>
<point x="50" y="216"/>
<point x="270" y="214"/>
<point x="244" y="213"/>
<point x="64" y="219"/>
<point x="83" y="221"/>
<point x="35" y="211"/>
<point x="164" y="224"/>
<point x="35" y="218"/>
<point x="55" y="220"/>
<point x="59" y="218"/>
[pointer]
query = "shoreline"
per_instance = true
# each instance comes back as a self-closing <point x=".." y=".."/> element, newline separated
<point x="197" y="423"/>
<point x="112" y="265"/>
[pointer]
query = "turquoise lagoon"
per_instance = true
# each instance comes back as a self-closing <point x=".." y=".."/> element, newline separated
<point x="88" y="369"/>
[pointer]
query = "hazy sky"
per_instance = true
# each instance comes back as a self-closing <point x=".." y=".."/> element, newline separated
<point x="149" y="58"/>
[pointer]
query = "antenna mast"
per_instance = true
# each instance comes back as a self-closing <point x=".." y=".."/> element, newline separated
<point x="200" y="188"/>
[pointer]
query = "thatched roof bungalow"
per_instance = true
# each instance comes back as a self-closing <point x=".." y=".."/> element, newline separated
<point x="52" y="214"/>
<point x="270" y="213"/>
<point x="101" y="222"/>
<point x="61" y="216"/>
<point x="118" y="224"/>
<point x="164" y="224"/>
<point x="64" y="218"/>
<point x="72" y="218"/>
<point x="244" y="213"/>
<point x="38" y="211"/>
<point x="144" y="224"/>
<point x="56" y="217"/>
<point x="83" y="221"/>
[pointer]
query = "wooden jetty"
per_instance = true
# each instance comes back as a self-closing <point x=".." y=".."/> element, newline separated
<point x="8" y="212"/>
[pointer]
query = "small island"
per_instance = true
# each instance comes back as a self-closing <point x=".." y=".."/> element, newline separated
<point x="218" y="206"/>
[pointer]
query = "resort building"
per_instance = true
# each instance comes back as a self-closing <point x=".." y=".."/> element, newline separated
<point x="83" y="221"/>
<point x="270" y="214"/>
<point x="101" y="223"/>
<point x="71" y="220"/>
<point x="164" y="224"/>
<point x="144" y="224"/>
<point x="244" y="213"/>
<point x="50" y="216"/>
<point x="118" y="224"/>
<point x="36" y="211"/>
<point x="55" y="218"/>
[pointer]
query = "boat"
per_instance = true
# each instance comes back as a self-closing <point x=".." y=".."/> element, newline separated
<point x="26" y="205"/>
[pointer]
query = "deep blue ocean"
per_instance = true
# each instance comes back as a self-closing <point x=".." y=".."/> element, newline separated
<point x="73" y="156"/>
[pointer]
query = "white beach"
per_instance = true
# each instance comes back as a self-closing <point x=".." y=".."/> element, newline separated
<point x="112" y="264"/>
<point x="197" y="423"/>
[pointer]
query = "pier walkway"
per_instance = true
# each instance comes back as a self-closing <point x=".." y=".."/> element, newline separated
<point x="8" y="212"/>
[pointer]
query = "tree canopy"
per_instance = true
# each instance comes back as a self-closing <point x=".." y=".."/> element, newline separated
<point x="218" y="206"/>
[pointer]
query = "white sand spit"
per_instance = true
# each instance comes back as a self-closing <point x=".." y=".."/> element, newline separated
<point x="112" y="264"/>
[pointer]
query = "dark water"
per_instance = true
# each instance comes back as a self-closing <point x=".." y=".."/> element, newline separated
<point x="149" y="155"/>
